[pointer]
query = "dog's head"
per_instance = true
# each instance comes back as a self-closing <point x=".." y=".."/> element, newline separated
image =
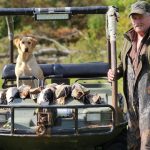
<point x="25" y="44"/>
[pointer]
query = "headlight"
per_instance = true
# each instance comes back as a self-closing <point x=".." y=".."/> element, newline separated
<point x="93" y="117"/>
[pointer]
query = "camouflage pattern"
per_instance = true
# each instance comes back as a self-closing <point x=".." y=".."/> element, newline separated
<point x="144" y="108"/>
<point x="137" y="93"/>
<point x="79" y="92"/>
<point x="62" y="92"/>
<point x="133" y="113"/>
<point x="140" y="7"/>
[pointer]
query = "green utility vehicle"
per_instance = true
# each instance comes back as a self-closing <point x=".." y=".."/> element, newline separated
<point x="74" y="125"/>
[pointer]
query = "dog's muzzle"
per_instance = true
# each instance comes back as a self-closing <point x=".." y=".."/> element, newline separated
<point x="26" y="49"/>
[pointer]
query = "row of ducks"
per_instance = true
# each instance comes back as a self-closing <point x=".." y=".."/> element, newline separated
<point x="50" y="94"/>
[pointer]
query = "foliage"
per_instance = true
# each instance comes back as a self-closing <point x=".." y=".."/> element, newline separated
<point x="91" y="46"/>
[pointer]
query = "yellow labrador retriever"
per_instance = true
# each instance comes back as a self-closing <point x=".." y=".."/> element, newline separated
<point x="26" y="64"/>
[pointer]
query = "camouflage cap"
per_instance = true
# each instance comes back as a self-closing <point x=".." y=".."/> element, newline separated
<point x="140" y="7"/>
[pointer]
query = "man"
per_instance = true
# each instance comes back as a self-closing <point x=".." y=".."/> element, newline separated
<point x="135" y="70"/>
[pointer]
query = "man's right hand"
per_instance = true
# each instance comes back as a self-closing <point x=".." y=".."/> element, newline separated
<point x="110" y="75"/>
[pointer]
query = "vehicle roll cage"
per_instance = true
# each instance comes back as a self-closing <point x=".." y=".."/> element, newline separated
<point x="71" y="10"/>
<point x="65" y="13"/>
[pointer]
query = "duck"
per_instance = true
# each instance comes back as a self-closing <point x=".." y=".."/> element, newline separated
<point x="62" y="92"/>
<point x="79" y="92"/>
<point x="47" y="95"/>
<point x="11" y="94"/>
<point x="24" y="91"/>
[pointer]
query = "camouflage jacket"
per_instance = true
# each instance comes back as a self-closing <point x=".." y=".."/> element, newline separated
<point x="144" y="57"/>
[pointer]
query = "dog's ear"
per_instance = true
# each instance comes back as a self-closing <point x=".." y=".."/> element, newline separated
<point x="34" y="41"/>
<point x="16" y="41"/>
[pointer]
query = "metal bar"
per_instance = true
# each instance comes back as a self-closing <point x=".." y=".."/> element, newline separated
<point x="54" y="106"/>
<point x="11" y="51"/>
<point x="10" y="26"/>
<point x="89" y="10"/>
<point x="114" y="83"/>
<point x="16" y="11"/>
<point x="12" y="120"/>
<point x="73" y="10"/>
<point x="76" y="121"/>
<point x="76" y="107"/>
<point x="77" y="10"/>
<point x="112" y="19"/>
<point x="12" y="133"/>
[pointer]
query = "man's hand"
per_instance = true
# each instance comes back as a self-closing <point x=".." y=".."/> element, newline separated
<point x="110" y="75"/>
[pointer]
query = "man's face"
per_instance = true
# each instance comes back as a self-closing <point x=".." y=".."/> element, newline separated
<point x="140" y="23"/>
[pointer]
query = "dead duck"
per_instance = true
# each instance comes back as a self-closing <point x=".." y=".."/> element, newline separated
<point x="24" y="91"/>
<point x="62" y="92"/>
<point x="93" y="99"/>
<point x="79" y="92"/>
<point x="36" y="90"/>
<point x="11" y="94"/>
<point x="52" y="86"/>
<point x="46" y="96"/>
